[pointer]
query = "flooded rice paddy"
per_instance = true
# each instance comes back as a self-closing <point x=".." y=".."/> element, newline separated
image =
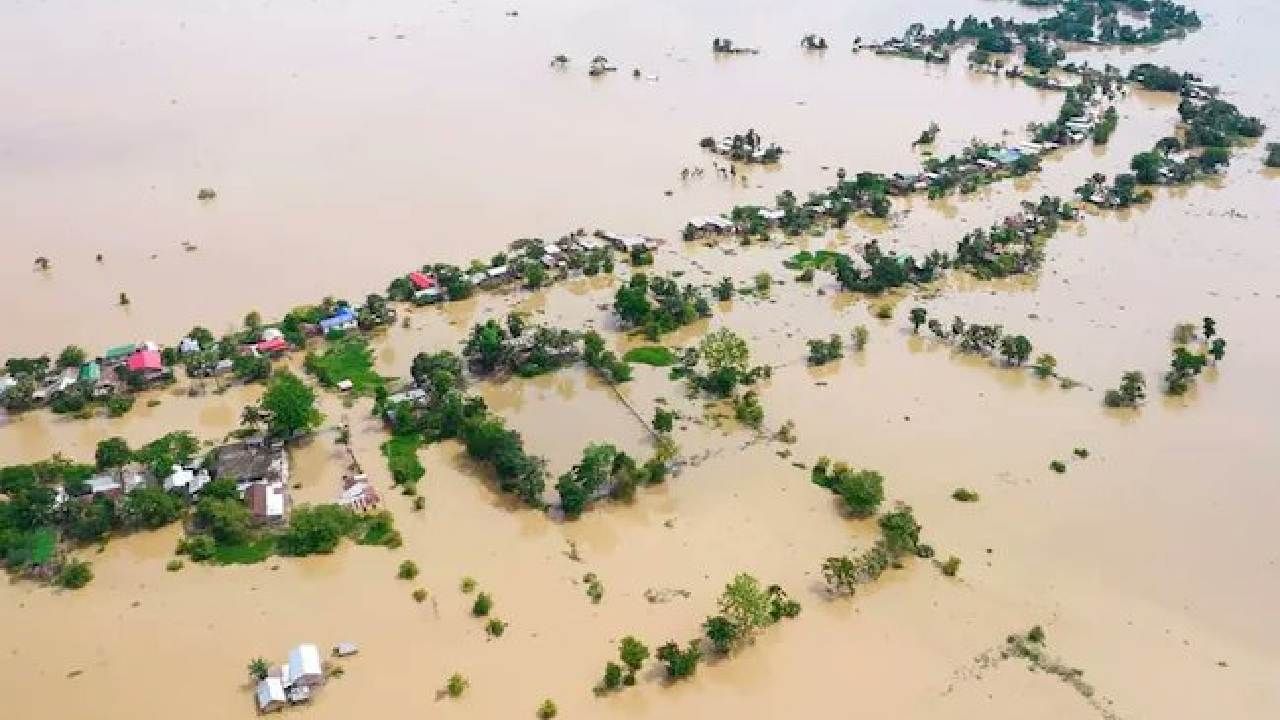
<point x="344" y="154"/>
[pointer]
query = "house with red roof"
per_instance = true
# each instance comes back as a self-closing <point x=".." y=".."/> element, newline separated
<point x="273" y="346"/>
<point x="144" y="361"/>
<point x="422" y="281"/>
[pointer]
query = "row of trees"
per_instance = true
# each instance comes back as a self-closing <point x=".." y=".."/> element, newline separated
<point x="746" y="607"/>
<point x="979" y="339"/>
<point x="899" y="536"/>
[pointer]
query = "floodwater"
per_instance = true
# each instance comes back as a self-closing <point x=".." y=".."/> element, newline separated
<point x="1148" y="563"/>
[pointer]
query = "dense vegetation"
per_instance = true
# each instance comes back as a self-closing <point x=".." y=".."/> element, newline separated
<point x="658" y="305"/>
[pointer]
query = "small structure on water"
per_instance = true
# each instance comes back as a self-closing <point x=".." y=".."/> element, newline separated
<point x="294" y="682"/>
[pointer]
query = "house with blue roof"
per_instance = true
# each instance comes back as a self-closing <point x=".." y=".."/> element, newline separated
<point x="342" y="319"/>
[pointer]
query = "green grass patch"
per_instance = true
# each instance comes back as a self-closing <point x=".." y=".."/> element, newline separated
<point x="820" y="260"/>
<point x="654" y="355"/>
<point x="401" y="452"/>
<point x="35" y="547"/>
<point x="254" y="551"/>
<point x="346" y="358"/>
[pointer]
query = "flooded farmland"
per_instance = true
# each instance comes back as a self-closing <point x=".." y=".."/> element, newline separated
<point x="350" y="144"/>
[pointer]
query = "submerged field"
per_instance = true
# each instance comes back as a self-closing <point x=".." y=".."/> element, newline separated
<point x="1146" y="562"/>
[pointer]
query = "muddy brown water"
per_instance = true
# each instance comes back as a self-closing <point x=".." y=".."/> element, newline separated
<point x="341" y="159"/>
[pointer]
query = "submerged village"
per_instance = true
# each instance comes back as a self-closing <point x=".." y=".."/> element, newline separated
<point x="644" y="465"/>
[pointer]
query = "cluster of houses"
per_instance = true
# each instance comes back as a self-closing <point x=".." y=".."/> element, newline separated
<point x="558" y="257"/>
<point x="1010" y="246"/>
<point x="910" y="46"/>
<point x="120" y="367"/>
<point x="747" y="147"/>
<point x="985" y="164"/>
<point x="293" y="682"/>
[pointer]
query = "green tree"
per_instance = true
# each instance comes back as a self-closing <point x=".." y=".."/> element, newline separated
<point x="680" y="663"/>
<point x="316" y="529"/>
<point x="632" y="653"/>
<point x="663" y="420"/>
<point x="71" y="356"/>
<point x="1015" y="349"/>
<point x="147" y="506"/>
<point x="227" y="521"/>
<point x="258" y="669"/>
<point x="900" y="529"/>
<point x="112" y="452"/>
<point x="841" y="575"/>
<point x="249" y="367"/>
<point x="862" y="491"/>
<point x="724" y="349"/>
<point x="161" y="454"/>
<point x="724" y="289"/>
<point x="1218" y="349"/>
<point x="722" y="633"/>
<point x="631" y="302"/>
<point x="292" y="406"/>
<point x="1045" y="366"/>
<point x="440" y="371"/>
<point x="748" y="410"/>
<point x="89" y="521"/>
<point x="612" y="679"/>
<point x="535" y="275"/>
<point x="918" y="317"/>
<point x="746" y="604"/>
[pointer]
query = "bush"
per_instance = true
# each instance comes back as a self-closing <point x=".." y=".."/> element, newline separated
<point x="468" y="584"/>
<point x="120" y="404"/>
<point x="612" y="679"/>
<point x="495" y="627"/>
<point x="964" y="495"/>
<point x="951" y="566"/>
<point x="74" y="575"/>
<point x="408" y="570"/>
<point x="456" y="685"/>
<point x="173" y="565"/>
<point x="547" y="709"/>
<point x="1058" y="466"/>
<point x="482" y="605"/>
<point x="317" y="529"/>
<point x="1081" y="453"/>
<point x="420" y="595"/>
<point x="884" y="311"/>
<point x="748" y="410"/>
<point x="861" y="490"/>
<point x="198" y="547"/>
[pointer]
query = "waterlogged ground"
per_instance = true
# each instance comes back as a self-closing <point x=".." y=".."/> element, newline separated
<point x="1148" y="563"/>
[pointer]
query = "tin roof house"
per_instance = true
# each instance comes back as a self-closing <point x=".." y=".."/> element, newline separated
<point x="270" y="695"/>
<point x="304" y="668"/>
